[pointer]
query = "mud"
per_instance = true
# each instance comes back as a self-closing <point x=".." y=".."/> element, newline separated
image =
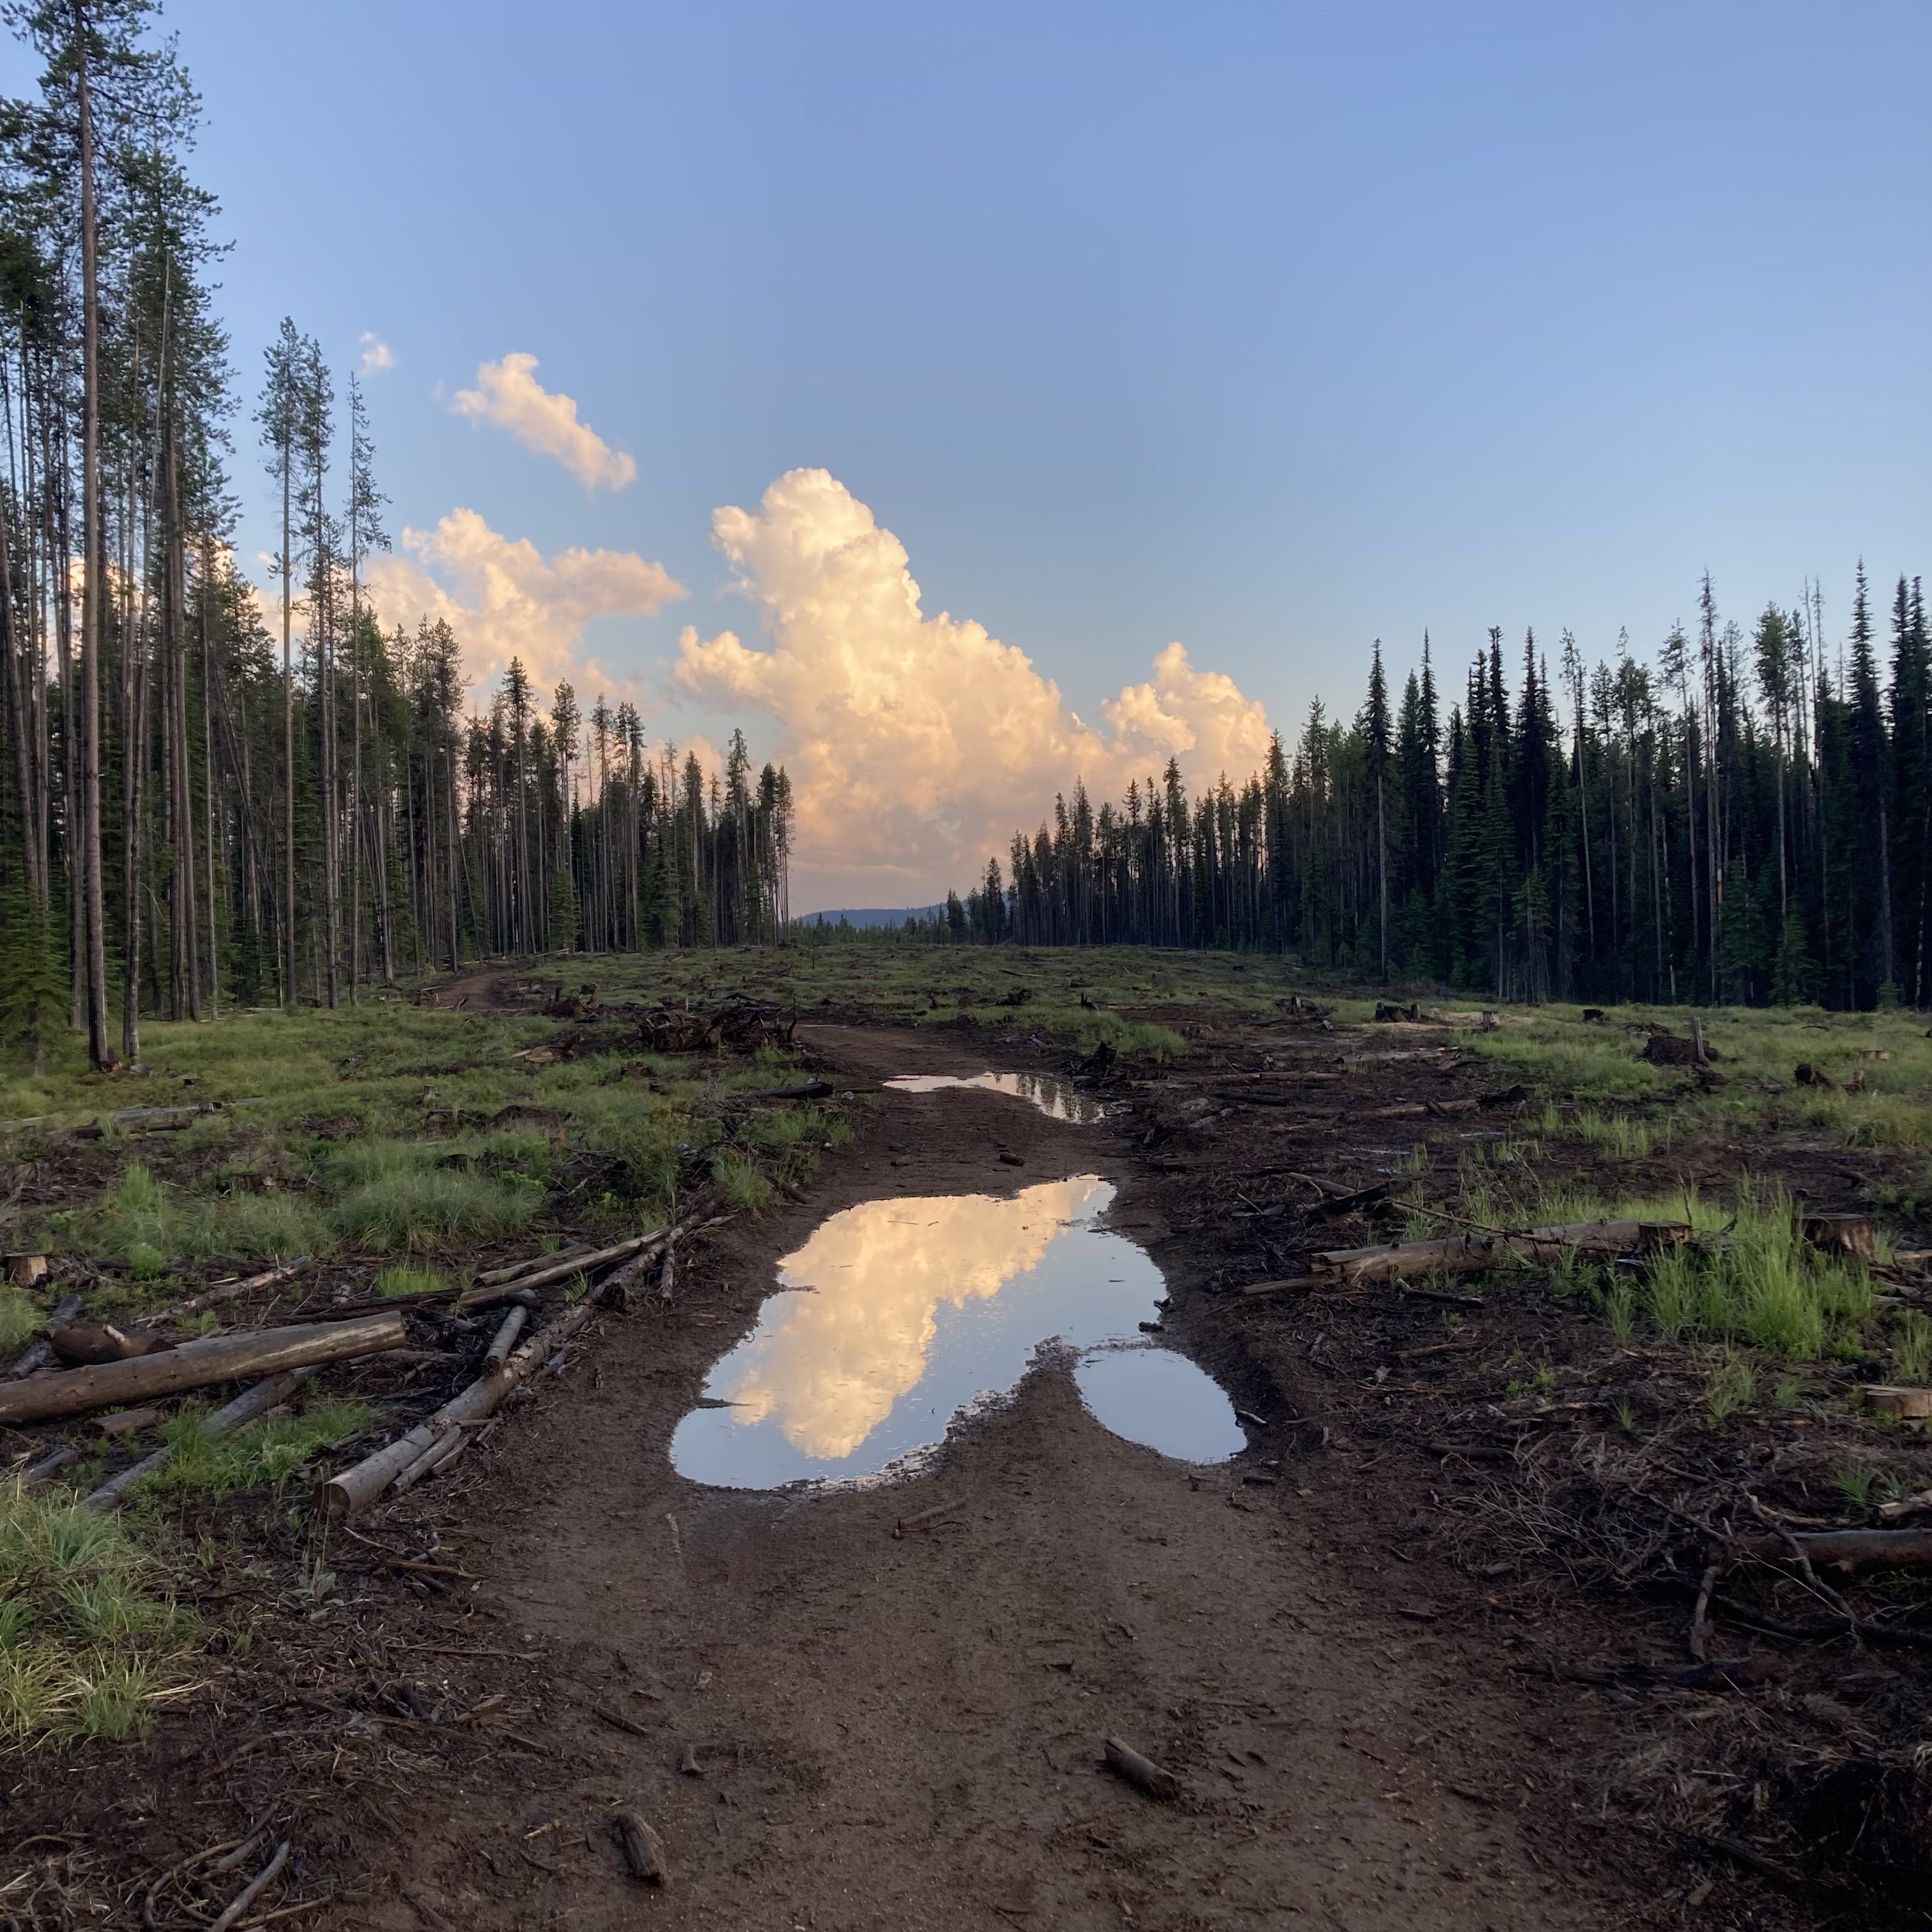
<point x="898" y="1731"/>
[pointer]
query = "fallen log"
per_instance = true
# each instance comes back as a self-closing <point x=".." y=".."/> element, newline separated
<point x="809" y="1089"/>
<point x="496" y="1277"/>
<point x="245" y="1408"/>
<point x="1848" y="1551"/>
<point x="1464" y="1254"/>
<point x="225" y="1291"/>
<point x="562" y="1270"/>
<point x="1300" y="1281"/>
<point x="355" y="1488"/>
<point x="1141" y="1772"/>
<point x="224" y="1358"/>
<point x="80" y="1344"/>
<point x="1916" y="1505"/>
<point x="499" y="1350"/>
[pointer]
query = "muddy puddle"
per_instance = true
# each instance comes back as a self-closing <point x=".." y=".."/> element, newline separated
<point x="898" y="1315"/>
<point x="1058" y="1100"/>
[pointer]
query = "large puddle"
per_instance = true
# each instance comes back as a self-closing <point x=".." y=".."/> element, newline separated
<point x="1059" y="1099"/>
<point x="898" y="1315"/>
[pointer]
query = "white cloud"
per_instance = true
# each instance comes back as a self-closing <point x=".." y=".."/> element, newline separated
<point x="916" y="745"/>
<point x="508" y="395"/>
<point x="377" y="355"/>
<point x="504" y="598"/>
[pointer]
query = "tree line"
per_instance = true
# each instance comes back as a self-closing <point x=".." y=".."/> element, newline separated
<point x="1746" y="820"/>
<point x="204" y="802"/>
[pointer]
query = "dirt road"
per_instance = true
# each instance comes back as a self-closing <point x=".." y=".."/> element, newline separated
<point x="906" y="1732"/>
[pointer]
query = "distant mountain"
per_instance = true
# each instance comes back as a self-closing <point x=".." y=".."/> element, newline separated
<point x="870" y="915"/>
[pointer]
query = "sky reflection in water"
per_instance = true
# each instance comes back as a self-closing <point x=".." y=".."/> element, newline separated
<point x="1059" y="1099"/>
<point x="896" y="1314"/>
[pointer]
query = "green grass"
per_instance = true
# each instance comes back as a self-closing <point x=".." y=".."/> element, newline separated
<point x="1618" y="1136"/>
<point x="394" y="1195"/>
<point x="20" y="1320"/>
<point x="742" y="1186"/>
<point x="1730" y="1387"/>
<point x="267" y="1452"/>
<point x="89" y="1641"/>
<point x="1912" y="1346"/>
<point x="399" y="1278"/>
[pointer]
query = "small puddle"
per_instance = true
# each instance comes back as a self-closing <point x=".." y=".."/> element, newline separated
<point x="896" y="1316"/>
<point x="1059" y="1099"/>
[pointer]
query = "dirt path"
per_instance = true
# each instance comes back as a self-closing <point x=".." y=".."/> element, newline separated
<point x="904" y="1732"/>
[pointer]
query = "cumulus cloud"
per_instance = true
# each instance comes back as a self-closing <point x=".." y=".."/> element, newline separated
<point x="915" y="744"/>
<point x="377" y="355"/>
<point x="508" y="395"/>
<point x="504" y="598"/>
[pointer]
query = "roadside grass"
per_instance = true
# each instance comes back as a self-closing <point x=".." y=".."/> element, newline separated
<point x="742" y="1184"/>
<point x="90" y="1642"/>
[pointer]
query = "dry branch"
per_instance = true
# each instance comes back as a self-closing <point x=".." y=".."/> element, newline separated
<point x="355" y="1488"/>
<point x="1848" y="1550"/>
<point x="223" y="1358"/>
<point x="225" y="1291"/>
<point x="1464" y="1254"/>
<point x="1142" y="1772"/>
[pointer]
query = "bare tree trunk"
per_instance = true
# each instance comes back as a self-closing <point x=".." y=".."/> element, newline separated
<point x="96" y="928"/>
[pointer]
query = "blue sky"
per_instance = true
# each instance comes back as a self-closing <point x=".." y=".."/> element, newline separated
<point x="1272" y="329"/>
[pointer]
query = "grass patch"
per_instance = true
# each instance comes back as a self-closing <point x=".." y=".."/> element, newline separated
<point x="267" y="1452"/>
<point x="394" y="1197"/>
<point x="88" y="1641"/>
<point x="741" y="1184"/>
<point x="20" y="1319"/>
<point x="399" y="1278"/>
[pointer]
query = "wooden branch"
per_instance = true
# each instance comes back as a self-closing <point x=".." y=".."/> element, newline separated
<point x="245" y="1408"/>
<point x="223" y="1358"/>
<point x="1467" y="1253"/>
<point x="355" y="1488"/>
<point x="561" y="1270"/>
<point x="1848" y="1550"/>
<point x="1142" y="1772"/>
<point x="225" y="1291"/>
<point x="496" y="1277"/>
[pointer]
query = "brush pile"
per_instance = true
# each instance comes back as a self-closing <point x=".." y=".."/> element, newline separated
<point x="739" y="1026"/>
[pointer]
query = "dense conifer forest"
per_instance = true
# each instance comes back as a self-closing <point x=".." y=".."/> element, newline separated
<point x="205" y="802"/>
<point x="1748" y="820"/>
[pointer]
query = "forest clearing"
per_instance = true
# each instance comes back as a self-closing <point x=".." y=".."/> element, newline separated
<point x="1583" y="1581"/>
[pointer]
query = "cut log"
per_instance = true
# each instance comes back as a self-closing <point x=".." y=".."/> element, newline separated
<point x="505" y="1338"/>
<point x="26" y="1270"/>
<point x="87" y="1343"/>
<point x="1906" y="1506"/>
<point x="1911" y="1404"/>
<point x="355" y="1488"/>
<point x="225" y="1358"/>
<point x="1839" y="1234"/>
<point x="42" y="1352"/>
<point x="225" y="1291"/>
<point x="1848" y="1551"/>
<point x="1141" y="1772"/>
<point x="1464" y="1254"/>
<point x="128" y="1422"/>
<point x="1300" y="1281"/>
<point x="642" y="1849"/>
<point x="50" y="1466"/>
<point x="245" y="1408"/>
